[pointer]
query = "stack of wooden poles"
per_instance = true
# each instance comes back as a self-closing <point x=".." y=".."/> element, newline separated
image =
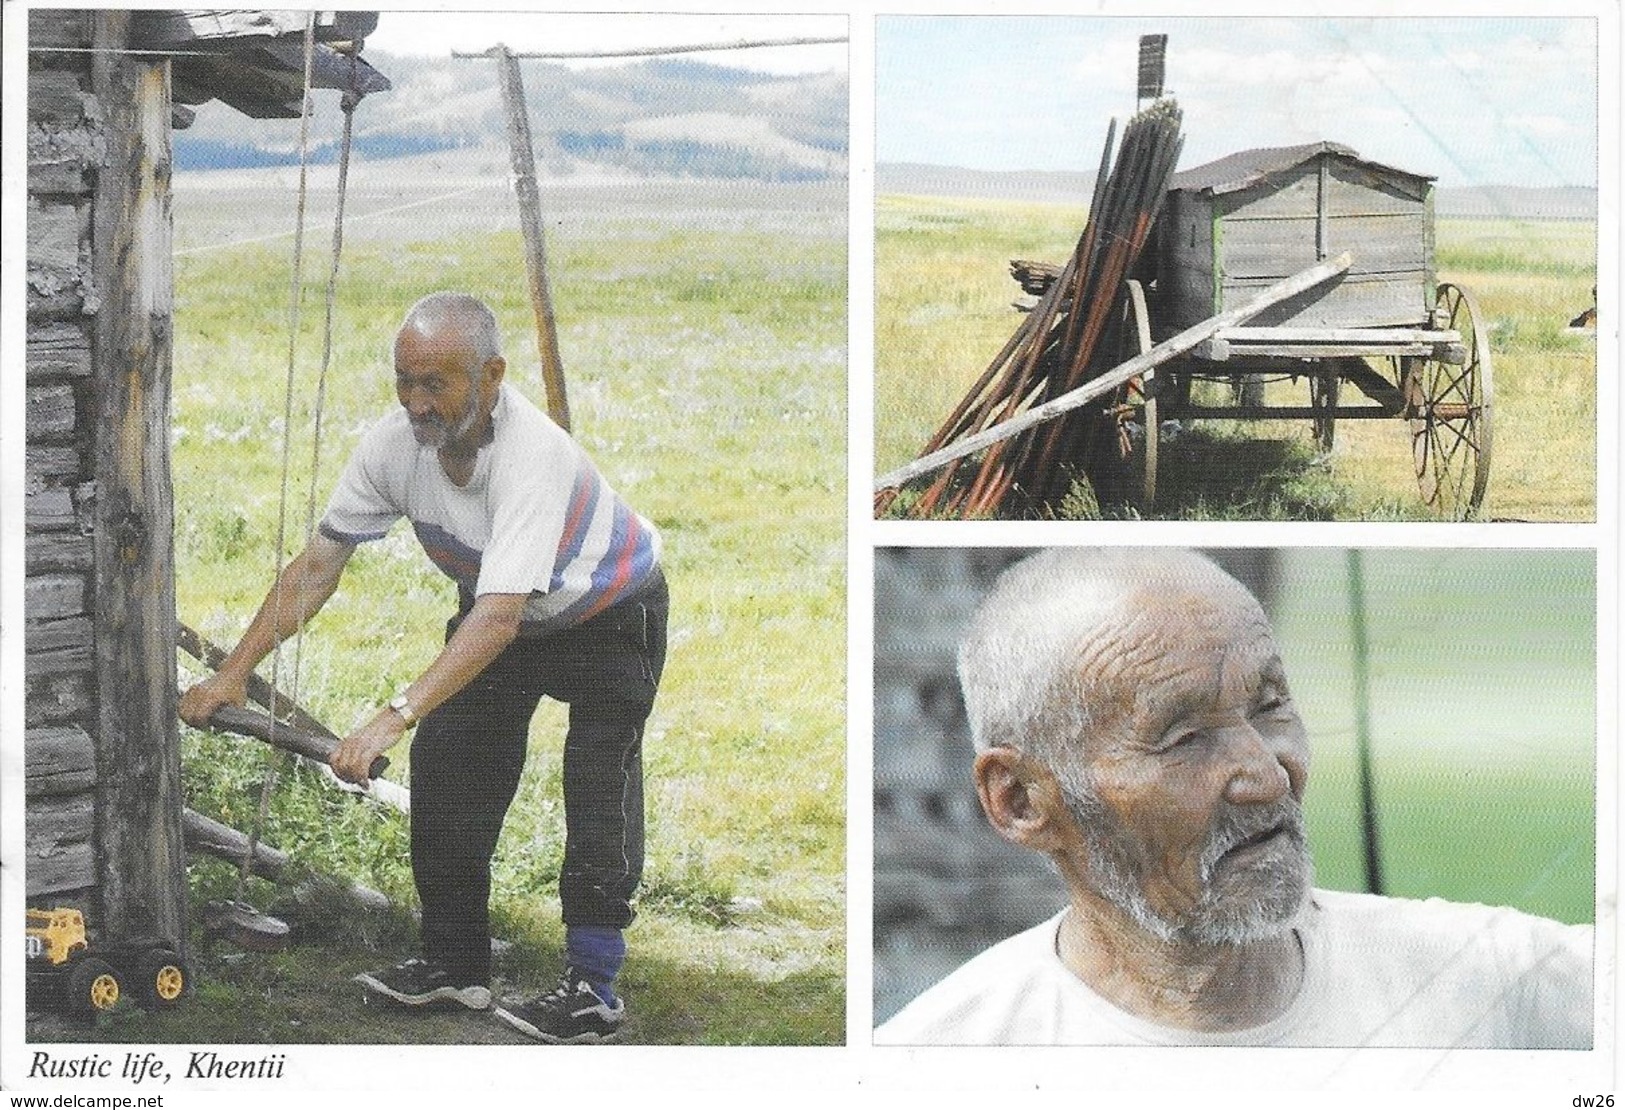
<point x="1054" y="349"/>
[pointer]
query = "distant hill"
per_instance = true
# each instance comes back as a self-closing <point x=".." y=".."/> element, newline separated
<point x="673" y="118"/>
<point x="922" y="179"/>
<point x="1569" y="202"/>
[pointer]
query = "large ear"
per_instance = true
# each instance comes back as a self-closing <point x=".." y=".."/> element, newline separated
<point x="1021" y="798"/>
<point x="494" y="368"/>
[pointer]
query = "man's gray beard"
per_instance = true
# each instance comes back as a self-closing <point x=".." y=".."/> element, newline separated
<point x="436" y="433"/>
<point x="1274" y="891"/>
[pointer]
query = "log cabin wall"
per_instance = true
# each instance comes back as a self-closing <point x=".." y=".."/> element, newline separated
<point x="946" y="886"/>
<point x="101" y="749"/>
<point x="66" y="145"/>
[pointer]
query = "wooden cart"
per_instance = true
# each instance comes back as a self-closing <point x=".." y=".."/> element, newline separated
<point x="1415" y="349"/>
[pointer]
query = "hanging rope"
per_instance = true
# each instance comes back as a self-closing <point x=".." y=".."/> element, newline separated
<point x="348" y="101"/>
<point x="276" y="758"/>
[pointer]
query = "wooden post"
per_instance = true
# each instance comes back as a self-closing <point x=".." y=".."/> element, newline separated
<point x="530" y="221"/>
<point x="139" y="847"/>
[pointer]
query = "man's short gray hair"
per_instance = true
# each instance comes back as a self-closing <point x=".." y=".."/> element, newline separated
<point x="466" y="313"/>
<point x="1019" y="662"/>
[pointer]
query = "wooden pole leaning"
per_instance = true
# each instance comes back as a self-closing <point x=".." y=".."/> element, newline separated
<point x="1165" y="351"/>
<point x="246" y="722"/>
<point x="214" y="838"/>
<point x="523" y="157"/>
<point x="262" y="693"/>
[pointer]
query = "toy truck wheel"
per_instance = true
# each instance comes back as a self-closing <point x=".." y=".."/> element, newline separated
<point x="92" y="988"/>
<point x="162" y="979"/>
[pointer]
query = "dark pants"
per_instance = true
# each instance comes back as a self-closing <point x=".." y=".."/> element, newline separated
<point x="468" y="754"/>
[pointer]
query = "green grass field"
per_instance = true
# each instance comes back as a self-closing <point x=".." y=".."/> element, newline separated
<point x="1483" y="721"/>
<point x="943" y="310"/>
<point x="703" y="331"/>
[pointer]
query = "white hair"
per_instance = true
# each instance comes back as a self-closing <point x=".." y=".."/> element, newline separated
<point x="468" y="314"/>
<point x="1019" y="662"/>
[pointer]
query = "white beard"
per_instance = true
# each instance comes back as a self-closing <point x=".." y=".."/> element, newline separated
<point x="1262" y="899"/>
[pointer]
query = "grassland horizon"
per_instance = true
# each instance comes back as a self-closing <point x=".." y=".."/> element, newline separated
<point x="943" y="308"/>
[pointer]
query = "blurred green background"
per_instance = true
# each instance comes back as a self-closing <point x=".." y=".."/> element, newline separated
<point x="1483" y="720"/>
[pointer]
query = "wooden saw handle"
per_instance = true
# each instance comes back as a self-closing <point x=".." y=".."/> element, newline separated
<point x="247" y="722"/>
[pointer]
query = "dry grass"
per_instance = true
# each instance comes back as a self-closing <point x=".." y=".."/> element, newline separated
<point x="942" y="310"/>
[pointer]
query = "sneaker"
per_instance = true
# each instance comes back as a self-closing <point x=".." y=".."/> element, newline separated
<point x="422" y="983"/>
<point x="573" y="1014"/>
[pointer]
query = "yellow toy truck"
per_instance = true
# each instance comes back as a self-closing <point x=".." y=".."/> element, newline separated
<point x="64" y="970"/>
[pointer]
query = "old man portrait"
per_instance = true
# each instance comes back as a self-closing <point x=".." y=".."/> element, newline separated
<point x="1133" y="723"/>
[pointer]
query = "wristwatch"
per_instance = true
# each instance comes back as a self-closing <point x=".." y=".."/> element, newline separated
<point x="400" y="705"/>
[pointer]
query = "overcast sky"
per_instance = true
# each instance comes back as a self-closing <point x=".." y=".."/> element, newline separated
<point x="1473" y="101"/>
<point x="439" y="33"/>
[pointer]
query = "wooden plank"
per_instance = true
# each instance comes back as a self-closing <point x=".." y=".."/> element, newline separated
<point x="1248" y="334"/>
<point x="56" y="697"/>
<point x="50" y="411"/>
<point x="1373" y="185"/>
<point x="58" y="27"/>
<point x="57" y="844"/>
<point x="157" y="30"/>
<point x="1267" y="250"/>
<point x="1293" y="193"/>
<point x="1102" y="384"/>
<point x="56" y="234"/>
<point x="48" y="596"/>
<point x="59" y="759"/>
<point x="47" y="460"/>
<point x="1279" y="412"/>
<point x="58" y="350"/>
<point x="58" y="178"/>
<point x="1388" y="244"/>
<point x="48" y="551"/>
<point x="1224" y="350"/>
<point x="64" y="646"/>
<point x="56" y="98"/>
<point x="52" y="297"/>
<point x="139" y="845"/>
<point x="1370" y="300"/>
<point x="52" y="461"/>
<point x="49" y="509"/>
<point x="1350" y="188"/>
<point x="1369" y="196"/>
<point x="1186" y="288"/>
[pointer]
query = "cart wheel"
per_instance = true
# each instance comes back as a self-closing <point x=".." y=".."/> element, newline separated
<point x="162" y="979"/>
<point x="1449" y="407"/>
<point x="1137" y="341"/>
<point x="92" y="988"/>
<point x="1323" y="387"/>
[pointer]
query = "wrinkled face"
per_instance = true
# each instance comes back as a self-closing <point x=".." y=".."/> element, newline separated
<point x="1198" y="763"/>
<point x="441" y="388"/>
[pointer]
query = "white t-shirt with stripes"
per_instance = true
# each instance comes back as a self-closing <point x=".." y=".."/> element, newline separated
<point x="536" y="517"/>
